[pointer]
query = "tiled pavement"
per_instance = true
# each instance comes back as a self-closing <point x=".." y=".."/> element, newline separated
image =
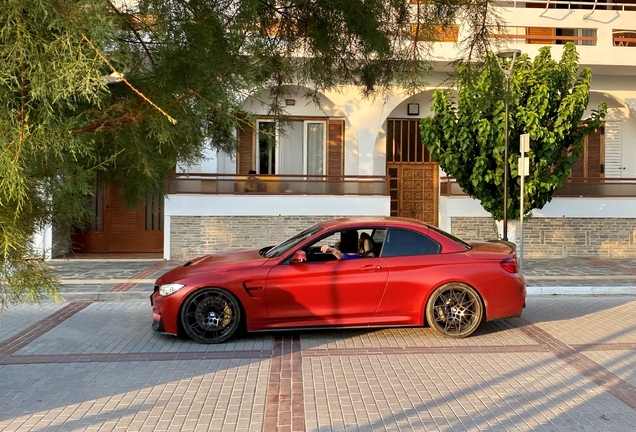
<point x="567" y="364"/>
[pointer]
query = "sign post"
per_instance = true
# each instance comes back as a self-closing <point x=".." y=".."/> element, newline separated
<point x="524" y="170"/>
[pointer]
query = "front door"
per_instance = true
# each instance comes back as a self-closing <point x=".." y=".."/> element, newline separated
<point x="414" y="176"/>
<point x="326" y="293"/>
<point x="116" y="228"/>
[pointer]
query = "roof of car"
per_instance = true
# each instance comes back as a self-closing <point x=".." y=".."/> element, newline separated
<point x="383" y="220"/>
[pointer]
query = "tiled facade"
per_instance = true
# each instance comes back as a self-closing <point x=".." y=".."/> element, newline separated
<point x="192" y="236"/>
<point x="561" y="237"/>
<point x="543" y="237"/>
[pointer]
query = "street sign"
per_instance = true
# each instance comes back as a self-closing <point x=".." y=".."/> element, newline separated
<point x="524" y="166"/>
<point x="524" y="143"/>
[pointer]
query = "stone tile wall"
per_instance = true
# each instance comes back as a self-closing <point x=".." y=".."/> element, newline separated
<point x="192" y="236"/>
<point x="561" y="237"/>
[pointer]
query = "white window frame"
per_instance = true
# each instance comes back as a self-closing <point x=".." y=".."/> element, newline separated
<point x="324" y="145"/>
<point x="306" y="123"/>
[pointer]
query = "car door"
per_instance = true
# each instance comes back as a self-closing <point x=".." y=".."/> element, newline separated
<point x="415" y="261"/>
<point x="338" y="292"/>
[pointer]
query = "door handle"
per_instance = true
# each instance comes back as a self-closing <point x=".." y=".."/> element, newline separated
<point x="370" y="267"/>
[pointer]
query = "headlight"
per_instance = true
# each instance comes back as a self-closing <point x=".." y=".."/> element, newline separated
<point x="168" y="289"/>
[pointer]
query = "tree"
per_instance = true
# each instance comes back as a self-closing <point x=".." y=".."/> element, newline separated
<point x="547" y="100"/>
<point x="118" y="92"/>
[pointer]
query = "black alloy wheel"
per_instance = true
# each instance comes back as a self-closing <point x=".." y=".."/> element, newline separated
<point x="211" y="315"/>
<point x="454" y="310"/>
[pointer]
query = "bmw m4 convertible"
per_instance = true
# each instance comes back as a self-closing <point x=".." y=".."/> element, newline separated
<point x="348" y="272"/>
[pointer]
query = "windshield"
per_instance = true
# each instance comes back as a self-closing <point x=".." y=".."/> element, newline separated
<point x="292" y="242"/>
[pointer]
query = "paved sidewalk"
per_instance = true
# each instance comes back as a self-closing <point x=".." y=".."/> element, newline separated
<point x="94" y="280"/>
<point x="567" y="364"/>
<point x="88" y="364"/>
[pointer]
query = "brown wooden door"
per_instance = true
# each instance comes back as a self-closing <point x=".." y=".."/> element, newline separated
<point x="119" y="229"/>
<point x="414" y="176"/>
<point x="414" y="190"/>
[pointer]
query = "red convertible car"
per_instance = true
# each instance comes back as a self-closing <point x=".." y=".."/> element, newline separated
<point x="349" y="272"/>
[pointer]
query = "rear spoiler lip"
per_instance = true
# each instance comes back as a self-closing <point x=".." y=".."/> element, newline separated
<point x="511" y="245"/>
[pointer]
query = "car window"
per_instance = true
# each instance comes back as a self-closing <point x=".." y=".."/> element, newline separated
<point x="402" y="242"/>
<point x="450" y="236"/>
<point x="347" y="241"/>
<point x="292" y="242"/>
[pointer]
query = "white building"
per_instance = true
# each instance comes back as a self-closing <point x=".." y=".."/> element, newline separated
<point x="360" y="157"/>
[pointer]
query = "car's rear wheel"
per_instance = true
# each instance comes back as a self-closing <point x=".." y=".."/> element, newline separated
<point x="454" y="310"/>
<point x="211" y="315"/>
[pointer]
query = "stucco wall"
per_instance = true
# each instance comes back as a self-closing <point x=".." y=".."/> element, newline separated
<point x="561" y="237"/>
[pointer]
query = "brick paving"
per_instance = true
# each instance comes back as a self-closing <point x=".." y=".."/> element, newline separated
<point x="567" y="364"/>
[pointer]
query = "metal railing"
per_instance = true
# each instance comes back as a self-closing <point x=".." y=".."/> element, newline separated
<point x="579" y="187"/>
<point x="284" y="184"/>
<point x="564" y="4"/>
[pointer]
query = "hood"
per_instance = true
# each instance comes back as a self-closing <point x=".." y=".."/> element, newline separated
<point x="214" y="263"/>
<point x="494" y="246"/>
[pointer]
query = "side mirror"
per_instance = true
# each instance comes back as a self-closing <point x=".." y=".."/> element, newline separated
<point x="299" y="257"/>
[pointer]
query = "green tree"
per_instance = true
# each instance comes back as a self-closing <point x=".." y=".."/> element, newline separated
<point x="178" y="71"/>
<point x="547" y="100"/>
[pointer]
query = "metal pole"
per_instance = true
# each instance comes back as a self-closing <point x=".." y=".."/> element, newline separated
<point x="507" y="54"/>
<point x="505" y="200"/>
<point x="523" y="180"/>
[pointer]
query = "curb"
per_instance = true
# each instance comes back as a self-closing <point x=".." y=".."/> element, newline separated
<point x="581" y="290"/>
<point x="130" y="296"/>
<point x="105" y="297"/>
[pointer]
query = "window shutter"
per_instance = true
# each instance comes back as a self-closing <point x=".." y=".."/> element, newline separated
<point x="595" y="154"/>
<point x="335" y="148"/>
<point x="613" y="152"/>
<point x="540" y="31"/>
<point x="245" y="157"/>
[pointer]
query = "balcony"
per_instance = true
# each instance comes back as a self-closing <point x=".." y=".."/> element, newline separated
<point x="231" y="184"/>
<point x="576" y="187"/>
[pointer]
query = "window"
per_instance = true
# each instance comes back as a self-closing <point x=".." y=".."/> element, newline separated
<point x="292" y="147"/>
<point x="350" y="241"/>
<point x="402" y="242"/>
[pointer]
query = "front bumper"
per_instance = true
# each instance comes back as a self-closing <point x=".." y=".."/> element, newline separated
<point x="164" y="312"/>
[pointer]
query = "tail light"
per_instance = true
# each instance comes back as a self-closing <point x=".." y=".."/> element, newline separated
<point x="510" y="265"/>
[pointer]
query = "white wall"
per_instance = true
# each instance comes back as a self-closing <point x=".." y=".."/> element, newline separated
<point x="275" y="205"/>
<point x="559" y="207"/>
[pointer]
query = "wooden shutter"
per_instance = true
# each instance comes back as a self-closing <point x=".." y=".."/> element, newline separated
<point x="592" y="160"/>
<point x="596" y="155"/>
<point x="245" y="157"/>
<point x="540" y="31"/>
<point x="613" y="149"/>
<point x="335" y="148"/>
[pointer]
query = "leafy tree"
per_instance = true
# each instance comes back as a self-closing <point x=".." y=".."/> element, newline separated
<point x="178" y="71"/>
<point x="547" y="100"/>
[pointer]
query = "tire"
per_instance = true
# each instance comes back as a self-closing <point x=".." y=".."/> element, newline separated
<point x="454" y="310"/>
<point x="211" y="315"/>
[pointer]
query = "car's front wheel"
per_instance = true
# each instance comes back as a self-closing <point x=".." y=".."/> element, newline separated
<point x="454" y="310"/>
<point x="211" y="315"/>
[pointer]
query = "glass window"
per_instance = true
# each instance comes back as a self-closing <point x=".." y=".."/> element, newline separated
<point x="292" y="242"/>
<point x="350" y="241"/>
<point x="402" y="242"/>
<point x="291" y="147"/>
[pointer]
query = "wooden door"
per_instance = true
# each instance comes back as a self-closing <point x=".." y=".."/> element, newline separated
<point x="414" y="176"/>
<point x="116" y="228"/>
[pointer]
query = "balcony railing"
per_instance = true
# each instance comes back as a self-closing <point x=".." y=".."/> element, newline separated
<point x="579" y="187"/>
<point x="232" y="184"/>
<point x="565" y="4"/>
